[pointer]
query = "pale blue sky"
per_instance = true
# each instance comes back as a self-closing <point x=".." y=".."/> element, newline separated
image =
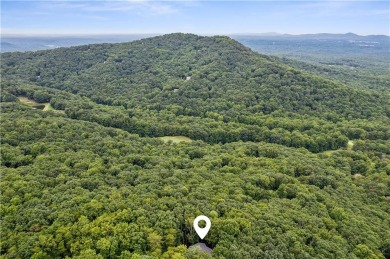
<point x="201" y="17"/>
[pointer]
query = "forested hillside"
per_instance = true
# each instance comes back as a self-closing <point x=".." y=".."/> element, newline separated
<point x="358" y="61"/>
<point x="198" y="74"/>
<point x="285" y="163"/>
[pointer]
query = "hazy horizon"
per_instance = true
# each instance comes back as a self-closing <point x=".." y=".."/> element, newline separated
<point x="202" y="34"/>
<point x="74" y="18"/>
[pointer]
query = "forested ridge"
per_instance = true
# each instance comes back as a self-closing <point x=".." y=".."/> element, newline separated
<point x="285" y="163"/>
<point x="224" y="75"/>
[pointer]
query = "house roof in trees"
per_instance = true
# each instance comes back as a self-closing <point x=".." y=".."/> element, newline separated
<point x="203" y="247"/>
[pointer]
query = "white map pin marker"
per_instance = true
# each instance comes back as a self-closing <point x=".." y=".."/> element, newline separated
<point x="202" y="232"/>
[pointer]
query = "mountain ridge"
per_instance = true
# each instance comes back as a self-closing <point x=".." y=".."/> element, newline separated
<point x="348" y="35"/>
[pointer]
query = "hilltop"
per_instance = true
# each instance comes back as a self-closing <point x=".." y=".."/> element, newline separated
<point x="223" y="74"/>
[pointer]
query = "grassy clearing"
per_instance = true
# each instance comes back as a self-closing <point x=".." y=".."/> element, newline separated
<point x="176" y="139"/>
<point x="27" y="101"/>
<point x="36" y="105"/>
<point x="349" y="147"/>
<point x="48" y="107"/>
<point x="329" y="152"/>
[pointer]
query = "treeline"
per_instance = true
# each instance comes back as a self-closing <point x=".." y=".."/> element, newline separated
<point x="211" y="129"/>
<point x="290" y="130"/>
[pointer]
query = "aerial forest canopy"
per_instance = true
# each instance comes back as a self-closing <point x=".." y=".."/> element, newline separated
<point x="285" y="163"/>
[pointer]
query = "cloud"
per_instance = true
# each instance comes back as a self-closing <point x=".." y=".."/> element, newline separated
<point x="132" y="5"/>
<point x="144" y="7"/>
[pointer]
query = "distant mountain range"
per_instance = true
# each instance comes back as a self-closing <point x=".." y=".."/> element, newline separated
<point x="31" y="43"/>
<point x="319" y="36"/>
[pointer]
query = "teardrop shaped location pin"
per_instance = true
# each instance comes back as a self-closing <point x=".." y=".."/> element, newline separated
<point x="202" y="232"/>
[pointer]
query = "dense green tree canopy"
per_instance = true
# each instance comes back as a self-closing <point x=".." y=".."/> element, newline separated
<point x="286" y="164"/>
